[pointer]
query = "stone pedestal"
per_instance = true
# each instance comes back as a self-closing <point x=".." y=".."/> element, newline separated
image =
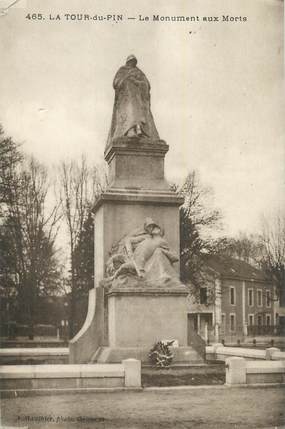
<point x="137" y="163"/>
<point x="139" y="318"/>
<point x="138" y="314"/>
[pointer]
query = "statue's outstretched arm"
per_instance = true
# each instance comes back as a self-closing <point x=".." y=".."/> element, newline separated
<point x="131" y="241"/>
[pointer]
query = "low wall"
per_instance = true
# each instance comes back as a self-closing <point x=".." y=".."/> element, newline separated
<point x="242" y="372"/>
<point x="78" y="377"/>
<point x="90" y="337"/>
<point x="46" y="355"/>
<point x="276" y="354"/>
<point x="221" y="353"/>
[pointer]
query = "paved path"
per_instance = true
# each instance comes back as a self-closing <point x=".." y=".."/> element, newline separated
<point x="217" y="407"/>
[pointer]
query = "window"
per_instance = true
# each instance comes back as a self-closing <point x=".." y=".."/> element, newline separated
<point x="250" y="297"/>
<point x="259" y="320"/>
<point x="268" y="299"/>
<point x="203" y="295"/>
<point x="232" y="295"/>
<point x="223" y="322"/>
<point x="259" y="297"/>
<point x="232" y="322"/>
<point x="268" y="319"/>
<point x="251" y="319"/>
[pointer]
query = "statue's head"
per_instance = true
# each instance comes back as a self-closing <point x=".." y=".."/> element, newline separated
<point x="131" y="61"/>
<point x="152" y="228"/>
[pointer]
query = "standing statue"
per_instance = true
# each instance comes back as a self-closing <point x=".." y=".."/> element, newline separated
<point x="132" y="116"/>
<point x="143" y="254"/>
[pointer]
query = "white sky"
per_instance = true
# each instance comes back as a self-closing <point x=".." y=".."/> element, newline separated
<point x="217" y="93"/>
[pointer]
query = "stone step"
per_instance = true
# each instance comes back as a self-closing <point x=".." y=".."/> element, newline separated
<point x="182" y="355"/>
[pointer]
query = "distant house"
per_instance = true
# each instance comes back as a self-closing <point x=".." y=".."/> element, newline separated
<point x="281" y="310"/>
<point x="235" y="301"/>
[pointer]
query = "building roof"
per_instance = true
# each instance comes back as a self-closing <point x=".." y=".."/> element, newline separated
<point x="234" y="268"/>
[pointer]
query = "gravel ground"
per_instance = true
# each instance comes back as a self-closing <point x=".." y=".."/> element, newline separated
<point x="197" y="407"/>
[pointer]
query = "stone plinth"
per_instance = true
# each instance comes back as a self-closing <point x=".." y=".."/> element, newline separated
<point x="137" y="163"/>
<point x="139" y="318"/>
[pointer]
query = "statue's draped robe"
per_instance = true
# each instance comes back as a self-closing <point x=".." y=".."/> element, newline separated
<point x="155" y="258"/>
<point x="132" y="104"/>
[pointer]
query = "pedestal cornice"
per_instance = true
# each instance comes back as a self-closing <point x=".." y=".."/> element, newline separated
<point x="137" y="163"/>
<point x="135" y="145"/>
<point x="138" y="196"/>
<point x="177" y="291"/>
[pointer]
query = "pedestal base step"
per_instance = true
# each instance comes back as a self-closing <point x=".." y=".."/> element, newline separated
<point x="182" y="355"/>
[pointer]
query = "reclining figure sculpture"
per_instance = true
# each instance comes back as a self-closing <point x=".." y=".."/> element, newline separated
<point x="143" y="254"/>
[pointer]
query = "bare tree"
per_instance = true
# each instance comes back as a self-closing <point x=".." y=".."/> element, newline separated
<point x="10" y="158"/>
<point x="246" y="247"/>
<point x="272" y="261"/>
<point x="28" y="234"/>
<point x="79" y="185"/>
<point x="198" y="218"/>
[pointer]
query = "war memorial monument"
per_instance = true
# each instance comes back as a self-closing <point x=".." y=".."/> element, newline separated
<point x="138" y="298"/>
<point x="137" y="301"/>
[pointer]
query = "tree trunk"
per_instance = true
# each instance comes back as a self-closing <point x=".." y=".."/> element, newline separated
<point x="72" y="313"/>
<point x="32" y="309"/>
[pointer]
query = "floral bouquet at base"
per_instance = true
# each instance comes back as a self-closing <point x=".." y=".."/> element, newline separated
<point x="160" y="355"/>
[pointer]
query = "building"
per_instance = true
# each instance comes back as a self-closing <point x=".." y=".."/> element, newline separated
<point x="236" y="300"/>
<point x="281" y="311"/>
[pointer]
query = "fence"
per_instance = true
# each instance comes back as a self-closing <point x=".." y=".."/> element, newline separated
<point x="13" y="330"/>
<point x="255" y="330"/>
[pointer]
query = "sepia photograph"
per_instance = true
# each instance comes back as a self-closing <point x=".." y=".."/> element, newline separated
<point x="142" y="214"/>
